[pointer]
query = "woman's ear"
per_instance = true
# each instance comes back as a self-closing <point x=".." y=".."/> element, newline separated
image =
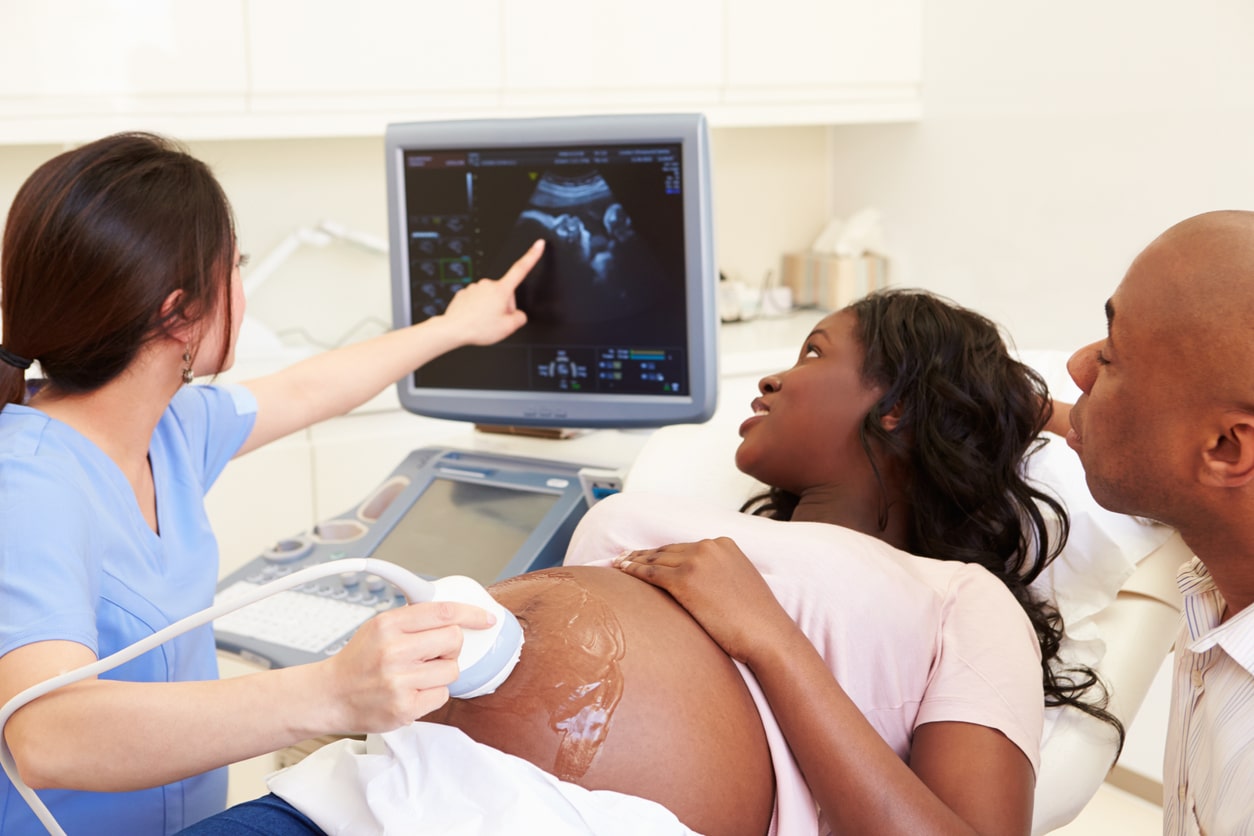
<point x="180" y="328"/>
<point x="1228" y="458"/>
<point x="892" y="418"/>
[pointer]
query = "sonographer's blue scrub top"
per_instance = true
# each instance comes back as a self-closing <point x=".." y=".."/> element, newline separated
<point x="79" y="563"/>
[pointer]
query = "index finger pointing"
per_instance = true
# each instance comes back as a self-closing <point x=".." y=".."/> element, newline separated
<point x="520" y="268"/>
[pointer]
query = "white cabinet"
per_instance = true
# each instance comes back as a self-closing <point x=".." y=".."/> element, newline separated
<point x="66" y="65"/>
<point x="571" y="53"/>
<point x="862" y="59"/>
<point x="822" y="44"/>
<point x="72" y="70"/>
<point x="325" y="55"/>
<point x="114" y="54"/>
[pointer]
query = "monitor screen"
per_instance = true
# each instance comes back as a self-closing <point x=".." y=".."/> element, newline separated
<point x="464" y="528"/>
<point x="621" y="316"/>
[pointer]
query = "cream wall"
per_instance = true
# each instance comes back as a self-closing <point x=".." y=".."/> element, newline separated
<point x="1058" y="138"/>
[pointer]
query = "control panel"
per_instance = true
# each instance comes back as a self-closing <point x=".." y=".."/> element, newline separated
<point x="440" y="512"/>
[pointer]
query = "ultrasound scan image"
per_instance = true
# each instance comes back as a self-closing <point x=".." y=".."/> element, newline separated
<point x="595" y="265"/>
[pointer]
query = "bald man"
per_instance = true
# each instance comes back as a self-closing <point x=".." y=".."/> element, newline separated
<point x="1165" y="429"/>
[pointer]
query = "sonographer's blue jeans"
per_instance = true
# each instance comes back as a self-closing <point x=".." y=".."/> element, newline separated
<point x="265" y="816"/>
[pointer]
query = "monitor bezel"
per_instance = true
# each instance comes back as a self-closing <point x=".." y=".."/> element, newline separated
<point x="565" y="410"/>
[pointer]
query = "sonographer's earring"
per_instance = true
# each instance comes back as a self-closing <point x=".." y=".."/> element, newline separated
<point x="187" y="365"/>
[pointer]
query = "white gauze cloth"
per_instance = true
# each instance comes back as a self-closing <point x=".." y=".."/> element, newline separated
<point x="428" y="778"/>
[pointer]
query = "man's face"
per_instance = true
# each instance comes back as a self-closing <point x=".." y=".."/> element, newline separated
<point x="1129" y="425"/>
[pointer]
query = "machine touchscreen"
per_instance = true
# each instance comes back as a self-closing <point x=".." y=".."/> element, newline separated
<point x="464" y="528"/>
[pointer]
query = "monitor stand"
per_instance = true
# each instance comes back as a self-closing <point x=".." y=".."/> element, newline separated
<point x="532" y="432"/>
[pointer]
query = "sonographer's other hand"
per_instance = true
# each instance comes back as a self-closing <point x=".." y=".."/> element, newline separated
<point x="485" y="311"/>
<point x="399" y="664"/>
<point x="718" y="585"/>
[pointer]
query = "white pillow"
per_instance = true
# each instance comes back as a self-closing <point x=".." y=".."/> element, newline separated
<point x="1102" y="549"/>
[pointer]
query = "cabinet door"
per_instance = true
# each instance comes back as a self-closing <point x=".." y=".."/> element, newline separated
<point x="374" y="54"/>
<point x="120" y="57"/>
<point x="573" y="54"/>
<point x="72" y="70"/>
<point x="822" y="44"/>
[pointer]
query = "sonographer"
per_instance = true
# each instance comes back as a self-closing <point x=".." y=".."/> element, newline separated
<point x="120" y="278"/>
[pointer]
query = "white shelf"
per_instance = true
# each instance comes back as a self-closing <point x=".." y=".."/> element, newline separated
<point x="328" y="123"/>
<point x="73" y="70"/>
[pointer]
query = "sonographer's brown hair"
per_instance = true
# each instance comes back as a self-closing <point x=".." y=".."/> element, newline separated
<point x="95" y="242"/>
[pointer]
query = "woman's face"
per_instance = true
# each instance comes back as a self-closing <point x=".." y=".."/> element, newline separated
<point x="804" y="431"/>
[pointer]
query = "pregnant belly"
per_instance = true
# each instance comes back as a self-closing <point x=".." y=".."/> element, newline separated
<point x="619" y="689"/>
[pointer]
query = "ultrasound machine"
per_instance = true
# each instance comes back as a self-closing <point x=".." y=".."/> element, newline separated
<point x="621" y="333"/>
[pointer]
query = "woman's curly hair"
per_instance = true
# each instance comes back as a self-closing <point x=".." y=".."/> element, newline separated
<point x="968" y="414"/>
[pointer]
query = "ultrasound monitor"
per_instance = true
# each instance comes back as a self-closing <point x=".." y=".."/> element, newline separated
<point x="621" y="311"/>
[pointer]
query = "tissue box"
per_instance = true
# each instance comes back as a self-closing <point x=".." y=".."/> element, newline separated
<point x="829" y="281"/>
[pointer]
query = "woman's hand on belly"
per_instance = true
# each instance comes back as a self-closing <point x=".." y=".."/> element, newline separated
<point x="719" y="586"/>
